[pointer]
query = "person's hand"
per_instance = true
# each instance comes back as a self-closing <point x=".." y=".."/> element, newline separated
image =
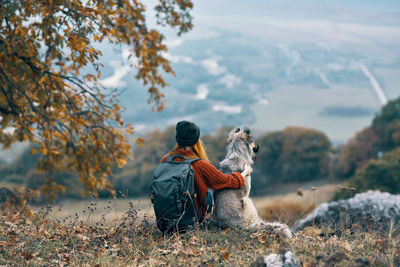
<point x="247" y="170"/>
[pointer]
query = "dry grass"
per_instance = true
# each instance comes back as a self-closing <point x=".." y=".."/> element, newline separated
<point x="115" y="233"/>
<point x="293" y="206"/>
<point x="286" y="212"/>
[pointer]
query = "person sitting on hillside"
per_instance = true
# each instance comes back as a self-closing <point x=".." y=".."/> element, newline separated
<point x="206" y="176"/>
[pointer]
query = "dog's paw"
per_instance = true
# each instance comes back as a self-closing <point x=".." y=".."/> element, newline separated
<point x="247" y="170"/>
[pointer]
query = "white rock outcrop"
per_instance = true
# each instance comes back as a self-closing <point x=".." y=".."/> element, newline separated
<point x="372" y="210"/>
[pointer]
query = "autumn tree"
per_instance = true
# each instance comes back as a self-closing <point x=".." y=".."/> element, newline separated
<point x="49" y="71"/>
<point x="292" y="155"/>
<point x="356" y="152"/>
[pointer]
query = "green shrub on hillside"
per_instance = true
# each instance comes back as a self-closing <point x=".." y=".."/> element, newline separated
<point x="386" y="125"/>
<point x="382" y="136"/>
<point x="382" y="174"/>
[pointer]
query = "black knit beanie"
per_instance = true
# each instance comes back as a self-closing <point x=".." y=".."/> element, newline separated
<point x="187" y="133"/>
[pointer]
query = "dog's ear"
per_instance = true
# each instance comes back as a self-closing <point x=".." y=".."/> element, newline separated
<point x="237" y="130"/>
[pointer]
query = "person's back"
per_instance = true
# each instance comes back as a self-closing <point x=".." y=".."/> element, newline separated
<point x="205" y="175"/>
<point x="173" y="194"/>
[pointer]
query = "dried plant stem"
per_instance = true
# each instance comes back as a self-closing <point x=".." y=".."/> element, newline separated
<point x="313" y="190"/>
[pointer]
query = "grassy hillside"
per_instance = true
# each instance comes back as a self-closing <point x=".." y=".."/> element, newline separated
<point x="121" y="232"/>
<point x="29" y="238"/>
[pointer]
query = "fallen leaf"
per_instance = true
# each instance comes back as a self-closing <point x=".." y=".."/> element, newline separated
<point x="226" y="230"/>
<point x="261" y="239"/>
<point x="27" y="255"/>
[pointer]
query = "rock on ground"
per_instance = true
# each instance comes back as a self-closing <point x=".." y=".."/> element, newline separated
<point x="372" y="210"/>
<point x="281" y="260"/>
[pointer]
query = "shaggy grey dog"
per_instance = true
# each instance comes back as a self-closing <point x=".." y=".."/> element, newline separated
<point x="234" y="207"/>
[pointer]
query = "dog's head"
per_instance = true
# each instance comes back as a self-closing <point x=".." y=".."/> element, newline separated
<point x="243" y="135"/>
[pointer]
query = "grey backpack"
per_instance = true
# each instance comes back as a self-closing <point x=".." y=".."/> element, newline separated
<point x="173" y="196"/>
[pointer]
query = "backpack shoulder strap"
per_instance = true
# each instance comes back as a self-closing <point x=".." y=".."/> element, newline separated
<point x="193" y="160"/>
<point x="170" y="159"/>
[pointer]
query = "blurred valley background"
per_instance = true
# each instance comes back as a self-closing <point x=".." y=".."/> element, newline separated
<point x="328" y="65"/>
<point x="308" y="77"/>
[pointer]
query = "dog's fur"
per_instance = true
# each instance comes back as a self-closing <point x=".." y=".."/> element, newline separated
<point x="234" y="207"/>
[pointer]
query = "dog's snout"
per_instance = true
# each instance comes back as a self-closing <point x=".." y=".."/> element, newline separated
<point x="256" y="148"/>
